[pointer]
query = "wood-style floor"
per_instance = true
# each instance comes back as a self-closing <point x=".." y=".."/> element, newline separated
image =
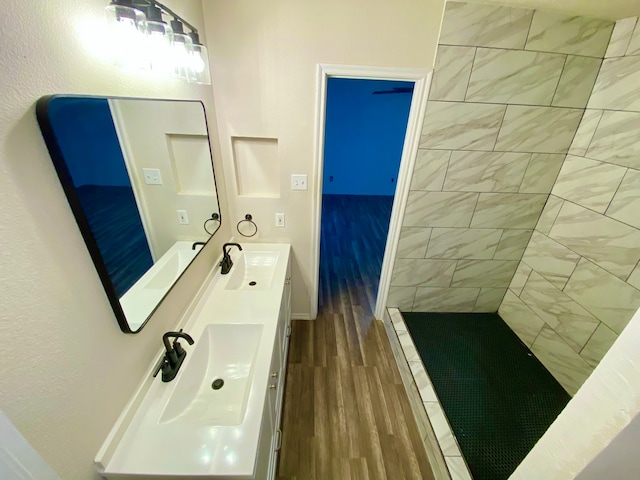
<point x="346" y="413"/>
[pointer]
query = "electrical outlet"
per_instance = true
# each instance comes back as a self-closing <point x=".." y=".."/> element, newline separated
<point x="183" y="218"/>
<point x="152" y="176"/>
<point x="280" y="220"/>
<point x="298" y="182"/>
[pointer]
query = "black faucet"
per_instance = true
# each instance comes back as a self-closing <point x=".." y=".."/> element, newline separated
<point x="226" y="262"/>
<point x="174" y="355"/>
<point x="195" y="244"/>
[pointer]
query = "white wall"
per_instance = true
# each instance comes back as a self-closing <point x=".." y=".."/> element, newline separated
<point x="67" y="369"/>
<point x="264" y="57"/>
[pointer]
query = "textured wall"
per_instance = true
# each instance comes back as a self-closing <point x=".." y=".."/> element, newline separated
<point x="504" y="105"/>
<point x="579" y="280"/>
<point x="67" y="370"/>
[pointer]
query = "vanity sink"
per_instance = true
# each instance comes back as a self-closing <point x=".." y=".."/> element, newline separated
<point x="173" y="266"/>
<point x="214" y="386"/>
<point x="253" y="270"/>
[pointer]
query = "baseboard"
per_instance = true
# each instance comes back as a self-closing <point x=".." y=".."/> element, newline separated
<point x="301" y="316"/>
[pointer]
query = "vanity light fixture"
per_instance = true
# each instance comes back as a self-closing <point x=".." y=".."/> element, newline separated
<point x="143" y="39"/>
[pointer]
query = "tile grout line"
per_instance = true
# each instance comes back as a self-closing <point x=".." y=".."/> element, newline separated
<point x="523" y="49"/>
<point x="555" y="91"/>
<point x="473" y="63"/>
<point x="615" y="193"/>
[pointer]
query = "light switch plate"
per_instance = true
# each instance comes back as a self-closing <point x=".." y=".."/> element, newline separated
<point x="152" y="176"/>
<point x="280" y="220"/>
<point x="298" y="182"/>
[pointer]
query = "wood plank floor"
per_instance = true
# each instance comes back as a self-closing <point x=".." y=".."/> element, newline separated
<point x="346" y="413"/>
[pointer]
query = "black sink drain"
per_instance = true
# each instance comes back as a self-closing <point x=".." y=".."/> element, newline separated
<point x="252" y="283"/>
<point x="217" y="384"/>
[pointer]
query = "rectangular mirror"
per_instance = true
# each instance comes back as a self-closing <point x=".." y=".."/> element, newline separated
<point x="138" y="175"/>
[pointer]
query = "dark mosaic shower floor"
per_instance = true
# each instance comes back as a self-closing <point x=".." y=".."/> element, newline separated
<point x="499" y="399"/>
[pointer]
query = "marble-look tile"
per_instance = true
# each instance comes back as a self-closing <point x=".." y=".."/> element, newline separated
<point x="445" y="299"/>
<point x="514" y="76"/>
<point x="561" y="360"/>
<point x="484" y="273"/>
<point x="520" y="318"/>
<point x="455" y="126"/>
<point x="577" y="80"/>
<point x="484" y="25"/>
<point x="634" y="44"/>
<point x="401" y="297"/>
<point x="549" y="214"/>
<point x="520" y="278"/>
<point x="598" y="345"/>
<point x="634" y="278"/>
<point x="396" y="320"/>
<point x="457" y="468"/>
<point x="538" y="129"/>
<point x="408" y="348"/>
<point x="441" y="427"/>
<point x="610" y="299"/>
<point x="568" y="318"/>
<point x="428" y="273"/>
<point x="512" y="244"/>
<point x="589" y="183"/>
<point x="561" y="33"/>
<point x="541" y="172"/>
<point x="439" y="209"/>
<point x="489" y="299"/>
<point x="429" y="170"/>
<point x="451" y="73"/>
<point x="586" y="129"/>
<point x="553" y="261"/>
<point x="613" y="245"/>
<point x="616" y="139"/>
<point x="508" y="210"/>
<point x="621" y="37"/>
<point x="625" y="205"/>
<point x="471" y="171"/>
<point x="618" y="85"/>
<point x="425" y="388"/>
<point x="413" y="242"/>
<point x="457" y="243"/>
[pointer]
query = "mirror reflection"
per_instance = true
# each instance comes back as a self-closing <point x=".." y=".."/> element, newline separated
<point x="139" y="178"/>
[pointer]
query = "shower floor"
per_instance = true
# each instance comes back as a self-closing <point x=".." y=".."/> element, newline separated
<point x="498" y="398"/>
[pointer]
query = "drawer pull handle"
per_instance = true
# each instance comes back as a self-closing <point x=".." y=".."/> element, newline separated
<point x="288" y="331"/>
<point x="279" y="442"/>
<point x="274" y="375"/>
<point x="273" y="386"/>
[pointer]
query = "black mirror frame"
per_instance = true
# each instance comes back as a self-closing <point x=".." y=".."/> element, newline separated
<point x="42" y="115"/>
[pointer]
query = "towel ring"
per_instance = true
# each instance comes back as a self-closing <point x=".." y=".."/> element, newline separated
<point x="247" y="219"/>
<point x="214" y="217"/>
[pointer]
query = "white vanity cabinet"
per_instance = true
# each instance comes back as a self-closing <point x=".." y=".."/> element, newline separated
<point x="270" y="431"/>
<point x="240" y="323"/>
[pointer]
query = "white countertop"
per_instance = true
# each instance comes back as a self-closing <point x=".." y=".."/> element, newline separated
<point x="179" y="448"/>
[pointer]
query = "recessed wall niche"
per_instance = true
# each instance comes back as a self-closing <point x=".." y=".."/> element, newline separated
<point x="191" y="164"/>
<point x="256" y="165"/>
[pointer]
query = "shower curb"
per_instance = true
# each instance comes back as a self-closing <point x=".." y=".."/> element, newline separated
<point x="437" y="436"/>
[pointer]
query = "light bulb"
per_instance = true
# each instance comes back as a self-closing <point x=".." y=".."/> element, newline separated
<point x="127" y="25"/>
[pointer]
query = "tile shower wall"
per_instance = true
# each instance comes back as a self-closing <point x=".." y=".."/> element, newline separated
<point x="509" y="89"/>
<point x="578" y="283"/>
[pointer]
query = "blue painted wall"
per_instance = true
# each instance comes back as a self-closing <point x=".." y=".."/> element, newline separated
<point x="364" y="136"/>
<point x="87" y="136"/>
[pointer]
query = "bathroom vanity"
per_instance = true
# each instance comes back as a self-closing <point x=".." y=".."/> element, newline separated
<point x="220" y="417"/>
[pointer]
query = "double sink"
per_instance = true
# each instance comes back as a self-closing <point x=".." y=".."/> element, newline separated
<point x="207" y="420"/>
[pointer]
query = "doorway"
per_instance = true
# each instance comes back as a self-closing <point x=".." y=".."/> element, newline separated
<point x="365" y="126"/>
<point x="385" y="86"/>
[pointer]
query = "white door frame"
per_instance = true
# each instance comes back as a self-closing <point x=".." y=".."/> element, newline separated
<point x="421" y="79"/>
